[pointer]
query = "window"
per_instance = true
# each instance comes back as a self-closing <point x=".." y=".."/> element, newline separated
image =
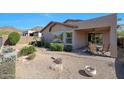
<point x="69" y="37"/>
<point x="57" y="37"/>
<point x="96" y="38"/>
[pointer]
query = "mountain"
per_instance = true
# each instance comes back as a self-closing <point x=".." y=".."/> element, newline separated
<point x="37" y="28"/>
<point x="5" y="30"/>
<point x="9" y="28"/>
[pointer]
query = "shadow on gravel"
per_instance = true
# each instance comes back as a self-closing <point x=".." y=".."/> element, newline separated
<point x="82" y="72"/>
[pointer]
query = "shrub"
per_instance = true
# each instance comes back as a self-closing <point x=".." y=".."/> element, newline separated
<point x="53" y="47"/>
<point x="68" y="48"/>
<point x="46" y="44"/>
<point x="27" y="50"/>
<point x="13" y="38"/>
<point x="37" y="43"/>
<point x="60" y="47"/>
<point x="32" y="43"/>
<point x="31" y="56"/>
<point x="56" y="47"/>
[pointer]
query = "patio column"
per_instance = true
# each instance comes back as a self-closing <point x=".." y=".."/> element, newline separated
<point x="113" y="41"/>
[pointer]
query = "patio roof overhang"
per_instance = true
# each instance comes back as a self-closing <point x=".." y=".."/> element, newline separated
<point x="106" y="28"/>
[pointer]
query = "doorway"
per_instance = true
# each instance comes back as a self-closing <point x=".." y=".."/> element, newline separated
<point x="96" y="38"/>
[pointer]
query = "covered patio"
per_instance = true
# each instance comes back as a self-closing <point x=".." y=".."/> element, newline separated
<point x="101" y="37"/>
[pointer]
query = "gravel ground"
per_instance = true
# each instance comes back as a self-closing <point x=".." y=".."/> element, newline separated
<point x="38" y="68"/>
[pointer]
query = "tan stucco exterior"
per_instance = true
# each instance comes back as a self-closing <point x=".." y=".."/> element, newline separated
<point x="106" y="25"/>
<point x="57" y="28"/>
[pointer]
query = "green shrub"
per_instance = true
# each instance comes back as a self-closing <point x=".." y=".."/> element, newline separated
<point x="60" y="47"/>
<point x="13" y="38"/>
<point x="27" y="50"/>
<point x="68" y="48"/>
<point x="32" y="43"/>
<point x="56" y="47"/>
<point x="53" y="47"/>
<point x="39" y="44"/>
<point x="46" y="44"/>
<point x="31" y="56"/>
<point x="42" y="41"/>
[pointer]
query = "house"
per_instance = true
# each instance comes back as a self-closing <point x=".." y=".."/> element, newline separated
<point x="37" y="33"/>
<point x="28" y="33"/>
<point x="33" y="32"/>
<point x="78" y="33"/>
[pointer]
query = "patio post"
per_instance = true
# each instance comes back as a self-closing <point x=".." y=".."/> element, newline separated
<point x="113" y="41"/>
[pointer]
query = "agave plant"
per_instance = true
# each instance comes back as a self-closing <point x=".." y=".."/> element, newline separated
<point x="8" y="55"/>
<point x="8" y="50"/>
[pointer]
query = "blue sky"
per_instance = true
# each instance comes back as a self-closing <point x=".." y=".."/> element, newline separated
<point x="30" y="20"/>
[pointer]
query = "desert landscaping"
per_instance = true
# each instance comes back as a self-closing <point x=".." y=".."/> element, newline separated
<point x="73" y="66"/>
<point x="79" y="53"/>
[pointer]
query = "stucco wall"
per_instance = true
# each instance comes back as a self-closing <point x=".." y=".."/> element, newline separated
<point x="57" y="28"/>
<point x="79" y="39"/>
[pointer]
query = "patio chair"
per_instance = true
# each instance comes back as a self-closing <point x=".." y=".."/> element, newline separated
<point x="92" y="47"/>
<point x="105" y="48"/>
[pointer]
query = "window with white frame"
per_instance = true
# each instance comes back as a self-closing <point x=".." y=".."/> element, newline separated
<point x="68" y="37"/>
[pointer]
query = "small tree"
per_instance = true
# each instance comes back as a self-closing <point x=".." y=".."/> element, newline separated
<point x="13" y="38"/>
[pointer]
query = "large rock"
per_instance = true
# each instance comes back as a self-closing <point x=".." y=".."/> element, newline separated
<point x="56" y="67"/>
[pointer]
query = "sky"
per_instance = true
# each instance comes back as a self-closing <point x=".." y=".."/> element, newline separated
<point x="30" y="20"/>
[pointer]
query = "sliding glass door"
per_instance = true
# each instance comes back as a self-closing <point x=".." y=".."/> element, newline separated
<point x="96" y="38"/>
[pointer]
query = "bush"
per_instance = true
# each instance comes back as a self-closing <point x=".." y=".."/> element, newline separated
<point x="37" y="43"/>
<point x="53" y="47"/>
<point x="60" y="47"/>
<point x="68" y="48"/>
<point x="13" y="38"/>
<point x="27" y="50"/>
<point x="56" y="47"/>
<point x="32" y="43"/>
<point x="46" y="44"/>
<point x="31" y="56"/>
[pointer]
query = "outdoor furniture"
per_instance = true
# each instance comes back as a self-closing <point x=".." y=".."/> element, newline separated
<point x="105" y="49"/>
<point x="90" y="71"/>
<point x="92" y="47"/>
